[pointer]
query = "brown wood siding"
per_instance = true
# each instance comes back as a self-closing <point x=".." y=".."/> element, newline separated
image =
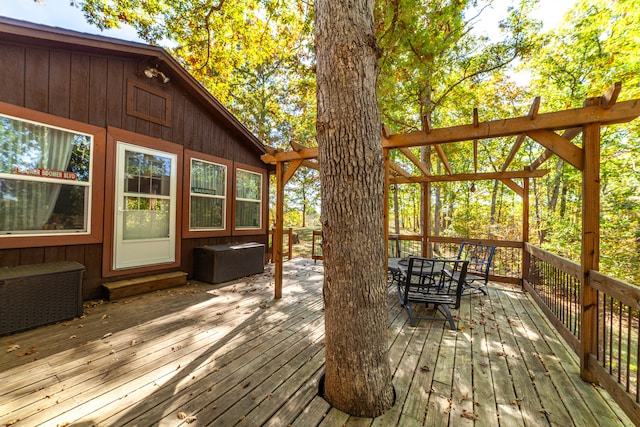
<point x="12" y="66"/>
<point x="79" y="78"/>
<point x="36" y="77"/>
<point x="92" y="88"/>
<point x="59" y="88"/>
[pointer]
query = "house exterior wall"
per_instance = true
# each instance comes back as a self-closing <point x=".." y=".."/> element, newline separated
<point x="97" y="89"/>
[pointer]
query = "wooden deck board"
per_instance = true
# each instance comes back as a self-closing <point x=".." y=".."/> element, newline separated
<point x="229" y="355"/>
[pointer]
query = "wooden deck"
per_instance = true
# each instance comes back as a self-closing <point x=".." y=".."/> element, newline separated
<point x="204" y="354"/>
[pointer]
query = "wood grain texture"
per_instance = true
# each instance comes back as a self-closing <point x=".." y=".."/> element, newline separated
<point x="230" y="354"/>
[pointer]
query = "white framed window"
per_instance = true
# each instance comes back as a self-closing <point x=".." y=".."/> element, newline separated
<point x="45" y="179"/>
<point x="248" y="200"/>
<point x="208" y="195"/>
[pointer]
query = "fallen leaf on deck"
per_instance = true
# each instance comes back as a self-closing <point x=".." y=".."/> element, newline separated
<point x="469" y="415"/>
<point x="182" y="415"/>
<point x="425" y="368"/>
<point x="25" y="353"/>
<point x="72" y="337"/>
<point x="190" y="419"/>
<point x="13" y="348"/>
<point x="107" y="335"/>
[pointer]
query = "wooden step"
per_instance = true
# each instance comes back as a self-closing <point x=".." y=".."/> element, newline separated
<point x="141" y="285"/>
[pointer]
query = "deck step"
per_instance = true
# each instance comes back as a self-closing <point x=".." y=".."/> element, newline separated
<point x="141" y="285"/>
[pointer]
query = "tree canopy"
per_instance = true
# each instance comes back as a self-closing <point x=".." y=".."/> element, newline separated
<point x="257" y="57"/>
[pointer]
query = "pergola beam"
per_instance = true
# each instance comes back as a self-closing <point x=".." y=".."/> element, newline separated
<point x="619" y="113"/>
<point x="415" y="160"/>
<point x="443" y="158"/>
<point x="558" y="145"/>
<point x="568" y="134"/>
<point x="611" y="95"/>
<point x="513" y="185"/>
<point x="471" y="176"/>
<point x="513" y="152"/>
<point x="287" y="156"/>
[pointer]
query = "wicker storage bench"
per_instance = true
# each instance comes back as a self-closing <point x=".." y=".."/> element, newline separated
<point x="39" y="294"/>
<point x="222" y="263"/>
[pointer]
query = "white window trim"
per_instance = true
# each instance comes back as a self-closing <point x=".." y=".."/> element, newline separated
<point x="259" y="201"/>
<point x="89" y="183"/>
<point x="213" y="196"/>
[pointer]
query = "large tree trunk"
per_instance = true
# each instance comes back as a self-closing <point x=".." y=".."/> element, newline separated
<point x="357" y="372"/>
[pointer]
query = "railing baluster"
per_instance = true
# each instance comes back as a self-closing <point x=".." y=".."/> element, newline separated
<point x="610" y="333"/>
<point x="628" y="372"/>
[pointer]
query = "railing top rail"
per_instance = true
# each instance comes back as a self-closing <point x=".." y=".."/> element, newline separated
<point x="563" y="264"/>
<point x="490" y="242"/>
<point x="622" y="291"/>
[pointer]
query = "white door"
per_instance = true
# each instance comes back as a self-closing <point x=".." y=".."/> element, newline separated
<point x="145" y="207"/>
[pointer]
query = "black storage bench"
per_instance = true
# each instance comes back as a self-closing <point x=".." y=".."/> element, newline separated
<point x="39" y="294"/>
<point x="222" y="263"/>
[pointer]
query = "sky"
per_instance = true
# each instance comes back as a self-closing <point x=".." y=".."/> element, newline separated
<point x="58" y="13"/>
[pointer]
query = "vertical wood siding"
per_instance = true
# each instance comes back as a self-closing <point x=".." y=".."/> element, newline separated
<point x="92" y="88"/>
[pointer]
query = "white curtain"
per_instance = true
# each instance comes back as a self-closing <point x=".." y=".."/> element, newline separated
<point x="34" y="146"/>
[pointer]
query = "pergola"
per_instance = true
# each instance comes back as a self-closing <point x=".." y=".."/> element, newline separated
<point x="555" y="131"/>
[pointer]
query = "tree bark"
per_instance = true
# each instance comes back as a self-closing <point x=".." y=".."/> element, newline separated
<point x="357" y="371"/>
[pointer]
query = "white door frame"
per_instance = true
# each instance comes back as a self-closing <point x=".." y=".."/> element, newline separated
<point x="141" y="236"/>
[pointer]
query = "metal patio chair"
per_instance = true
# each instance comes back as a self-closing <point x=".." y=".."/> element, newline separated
<point x="433" y="282"/>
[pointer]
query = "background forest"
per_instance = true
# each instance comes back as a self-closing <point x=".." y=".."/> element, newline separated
<point x="257" y="57"/>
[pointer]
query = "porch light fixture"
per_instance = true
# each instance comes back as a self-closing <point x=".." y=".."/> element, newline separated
<point x="154" y="72"/>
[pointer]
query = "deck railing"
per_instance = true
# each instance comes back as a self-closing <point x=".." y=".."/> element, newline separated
<point x="554" y="282"/>
<point x="507" y="259"/>
<point x="615" y="362"/>
<point x="316" y="245"/>
<point x="287" y="243"/>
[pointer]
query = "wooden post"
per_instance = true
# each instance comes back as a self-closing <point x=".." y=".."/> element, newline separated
<point x="277" y="233"/>
<point x="385" y="155"/>
<point x="426" y="216"/>
<point x="590" y="240"/>
<point x="525" y="228"/>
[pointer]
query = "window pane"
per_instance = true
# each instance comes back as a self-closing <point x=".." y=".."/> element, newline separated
<point x="248" y="185"/>
<point x="208" y="178"/>
<point x="32" y="156"/>
<point x="146" y="218"/>
<point x="207" y="212"/>
<point x="248" y="214"/>
<point x="41" y="151"/>
<point x="27" y="207"/>
<point x="147" y="174"/>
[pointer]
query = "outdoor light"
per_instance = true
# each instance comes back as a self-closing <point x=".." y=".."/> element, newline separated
<point x="153" y="72"/>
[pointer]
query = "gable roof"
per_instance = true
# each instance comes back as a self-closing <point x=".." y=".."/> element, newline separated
<point x="23" y="31"/>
